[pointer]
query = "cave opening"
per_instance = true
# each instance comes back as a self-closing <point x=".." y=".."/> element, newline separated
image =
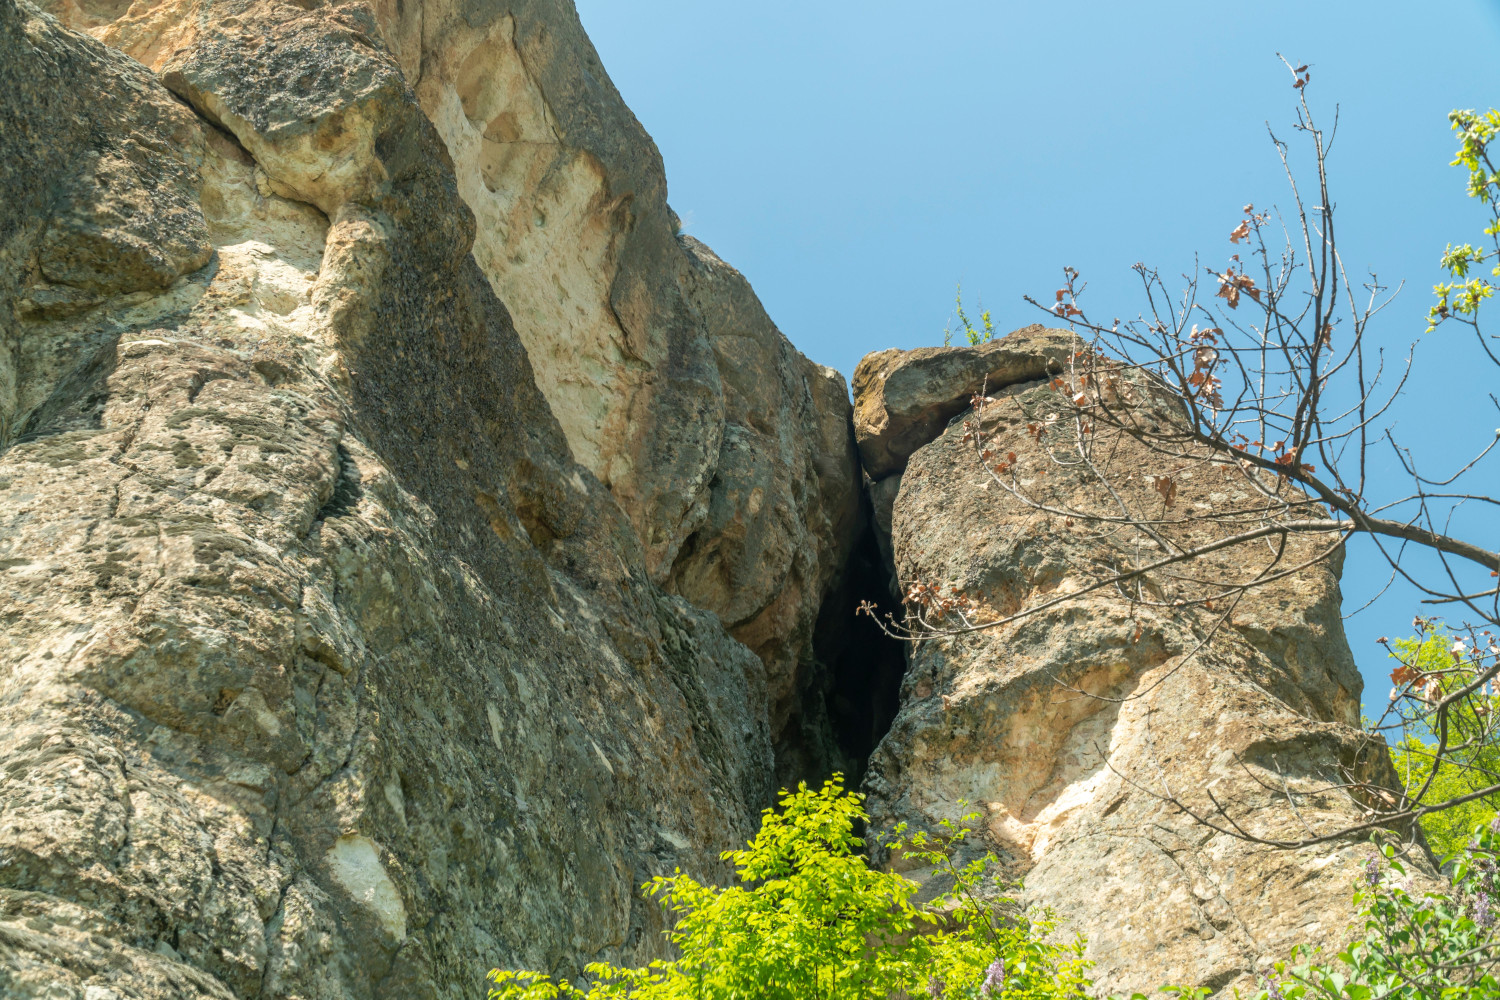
<point x="852" y="690"/>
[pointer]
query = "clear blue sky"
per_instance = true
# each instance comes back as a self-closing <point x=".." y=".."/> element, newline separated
<point x="857" y="160"/>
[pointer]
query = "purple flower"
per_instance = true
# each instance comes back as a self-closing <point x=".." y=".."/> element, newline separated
<point x="994" y="979"/>
<point x="1273" y="990"/>
<point x="1483" y="915"/>
<point x="1495" y="824"/>
<point x="1372" y="872"/>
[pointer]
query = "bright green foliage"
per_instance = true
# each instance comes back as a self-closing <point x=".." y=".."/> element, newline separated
<point x="1471" y="760"/>
<point x="1463" y="297"/>
<point x="982" y="334"/>
<point x="811" y="920"/>
<point x="1412" y="945"/>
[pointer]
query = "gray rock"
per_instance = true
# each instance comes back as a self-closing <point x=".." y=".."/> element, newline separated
<point x="117" y="208"/>
<point x="329" y="674"/>
<point x="639" y="338"/>
<point x="782" y="511"/>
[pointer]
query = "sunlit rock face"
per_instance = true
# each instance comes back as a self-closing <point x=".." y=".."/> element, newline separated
<point x="1066" y="729"/>
<point x="326" y="671"/>
<point x="728" y="451"/>
<point x="410" y="543"/>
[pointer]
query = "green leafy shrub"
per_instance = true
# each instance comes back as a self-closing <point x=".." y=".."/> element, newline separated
<point x="975" y="335"/>
<point x="1412" y="945"/>
<point x="811" y="920"/>
<point x="1468" y="762"/>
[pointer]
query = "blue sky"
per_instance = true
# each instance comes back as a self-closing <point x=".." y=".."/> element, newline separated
<point x="858" y="160"/>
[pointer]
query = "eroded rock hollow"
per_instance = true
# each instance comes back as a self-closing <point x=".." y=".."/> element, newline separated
<point x="411" y="543"/>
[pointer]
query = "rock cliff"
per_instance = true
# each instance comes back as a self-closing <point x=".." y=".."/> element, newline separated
<point x="411" y="543"/>
<point x="728" y="451"/>
<point x="1068" y="728"/>
<point x="328" y="670"/>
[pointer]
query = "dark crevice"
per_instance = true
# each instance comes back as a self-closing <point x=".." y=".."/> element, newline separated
<point x="853" y="690"/>
<point x="77" y="401"/>
<point x="346" y="490"/>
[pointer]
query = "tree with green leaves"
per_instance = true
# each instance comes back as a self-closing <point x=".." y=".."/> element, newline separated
<point x="811" y="919"/>
<point x="1460" y="765"/>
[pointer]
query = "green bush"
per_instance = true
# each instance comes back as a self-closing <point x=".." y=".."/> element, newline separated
<point x="975" y="335"/>
<point x="811" y="920"/>
<point x="1411" y="945"/>
<point x="1469" y="761"/>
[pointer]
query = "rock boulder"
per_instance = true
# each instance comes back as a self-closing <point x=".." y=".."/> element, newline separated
<point x="903" y="399"/>
<point x="1070" y="728"/>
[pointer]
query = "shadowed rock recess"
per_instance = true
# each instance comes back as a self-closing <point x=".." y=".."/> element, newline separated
<point x="410" y="543"/>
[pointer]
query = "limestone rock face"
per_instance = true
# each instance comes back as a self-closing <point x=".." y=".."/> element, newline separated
<point x="1065" y="727"/>
<point x="903" y="399"/>
<point x="729" y="451"/>
<point x="410" y="543"/>
<point x="782" y="511"/>
<point x="326" y="672"/>
<point x="640" y="339"/>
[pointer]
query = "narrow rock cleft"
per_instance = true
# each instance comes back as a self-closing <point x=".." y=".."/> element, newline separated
<point x="852" y="691"/>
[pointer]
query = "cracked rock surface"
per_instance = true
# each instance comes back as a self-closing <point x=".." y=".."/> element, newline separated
<point x="1066" y="728"/>
<point x="326" y="672"/>
<point x="727" y="450"/>
<point x="410" y="543"/>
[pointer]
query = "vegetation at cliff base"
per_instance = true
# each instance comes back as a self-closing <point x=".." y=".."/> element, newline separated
<point x="1409" y="943"/>
<point x="811" y="919"/>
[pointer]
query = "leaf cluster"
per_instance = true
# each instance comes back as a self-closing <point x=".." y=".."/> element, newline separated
<point x="1432" y="667"/>
<point x="811" y="919"/>
<point x="1462" y="298"/>
<point x="975" y="335"/>
<point x="1412" y="944"/>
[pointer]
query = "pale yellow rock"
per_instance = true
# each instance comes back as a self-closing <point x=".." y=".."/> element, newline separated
<point x="1068" y="729"/>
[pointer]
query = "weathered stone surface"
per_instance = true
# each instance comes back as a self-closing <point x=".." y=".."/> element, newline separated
<point x="326" y="673"/>
<point x="903" y="399"/>
<point x="728" y="450"/>
<point x="781" y="514"/>
<point x="88" y="209"/>
<point x="640" y="339"/>
<point x="1065" y="727"/>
